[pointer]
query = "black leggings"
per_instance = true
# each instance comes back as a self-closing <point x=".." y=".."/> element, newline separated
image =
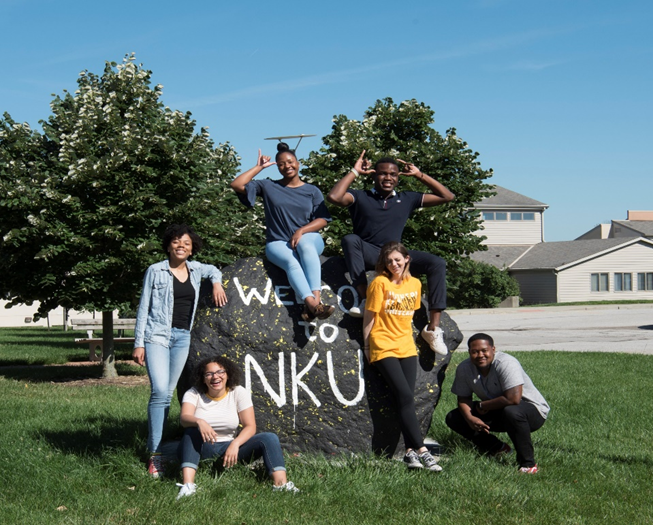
<point x="401" y="374"/>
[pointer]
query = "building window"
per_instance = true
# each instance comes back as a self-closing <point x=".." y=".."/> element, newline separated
<point x="519" y="216"/>
<point x="645" y="281"/>
<point x="503" y="216"/>
<point x="600" y="282"/>
<point x="623" y="282"/>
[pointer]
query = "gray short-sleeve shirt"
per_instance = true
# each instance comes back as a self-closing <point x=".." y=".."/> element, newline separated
<point x="505" y="372"/>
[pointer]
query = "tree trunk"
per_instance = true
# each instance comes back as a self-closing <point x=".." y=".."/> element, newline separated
<point x="108" y="355"/>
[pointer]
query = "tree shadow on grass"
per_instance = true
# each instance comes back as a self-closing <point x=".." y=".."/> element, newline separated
<point x="101" y="434"/>
<point x="70" y="374"/>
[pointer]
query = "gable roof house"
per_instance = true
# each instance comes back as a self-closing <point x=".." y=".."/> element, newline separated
<point x="608" y="262"/>
<point x="510" y="218"/>
<point x="637" y="224"/>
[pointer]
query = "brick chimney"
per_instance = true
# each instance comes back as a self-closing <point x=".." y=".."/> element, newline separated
<point x="634" y="215"/>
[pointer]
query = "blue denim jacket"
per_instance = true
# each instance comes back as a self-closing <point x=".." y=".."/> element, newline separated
<point x="154" y="318"/>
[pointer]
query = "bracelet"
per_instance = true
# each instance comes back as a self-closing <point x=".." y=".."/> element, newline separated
<point x="480" y="405"/>
<point x="355" y="172"/>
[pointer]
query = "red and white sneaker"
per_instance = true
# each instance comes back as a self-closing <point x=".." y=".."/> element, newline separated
<point x="529" y="470"/>
<point x="155" y="466"/>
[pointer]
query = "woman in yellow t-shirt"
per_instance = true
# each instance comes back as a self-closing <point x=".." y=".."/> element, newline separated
<point x="392" y="298"/>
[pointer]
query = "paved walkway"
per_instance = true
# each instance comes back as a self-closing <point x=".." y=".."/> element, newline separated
<point x="601" y="328"/>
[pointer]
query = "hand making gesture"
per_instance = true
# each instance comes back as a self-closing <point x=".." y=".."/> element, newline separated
<point x="363" y="165"/>
<point x="410" y="170"/>
<point x="264" y="161"/>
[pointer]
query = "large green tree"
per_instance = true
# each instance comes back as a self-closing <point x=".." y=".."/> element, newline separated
<point x="405" y="131"/>
<point x="83" y="204"/>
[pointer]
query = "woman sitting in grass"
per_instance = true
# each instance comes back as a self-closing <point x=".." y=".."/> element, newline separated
<point x="211" y="412"/>
<point x="392" y="298"/>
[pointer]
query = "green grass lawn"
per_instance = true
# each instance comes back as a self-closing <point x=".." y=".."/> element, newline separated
<point x="75" y="454"/>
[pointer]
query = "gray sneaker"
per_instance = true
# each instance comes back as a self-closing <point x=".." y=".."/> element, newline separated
<point x="429" y="462"/>
<point x="411" y="459"/>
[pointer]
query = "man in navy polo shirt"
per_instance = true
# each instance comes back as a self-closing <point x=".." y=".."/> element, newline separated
<point x="379" y="216"/>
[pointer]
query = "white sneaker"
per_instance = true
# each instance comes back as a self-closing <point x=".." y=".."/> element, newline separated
<point x="286" y="487"/>
<point x="358" y="311"/>
<point x="435" y="339"/>
<point x="187" y="489"/>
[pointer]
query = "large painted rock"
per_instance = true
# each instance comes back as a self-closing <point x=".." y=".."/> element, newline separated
<point x="309" y="381"/>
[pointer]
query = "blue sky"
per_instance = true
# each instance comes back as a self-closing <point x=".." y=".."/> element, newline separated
<point x="556" y="96"/>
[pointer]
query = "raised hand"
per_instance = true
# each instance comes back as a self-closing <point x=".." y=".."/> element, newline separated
<point x="264" y="161"/>
<point x="410" y="170"/>
<point x="363" y="165"/>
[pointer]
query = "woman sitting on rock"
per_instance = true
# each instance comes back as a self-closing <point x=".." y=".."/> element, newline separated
<point x="294" y="213"/>
<point x="211" y="412"/>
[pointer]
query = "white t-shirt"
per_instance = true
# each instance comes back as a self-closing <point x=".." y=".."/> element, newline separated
<point x="221" y="415"/>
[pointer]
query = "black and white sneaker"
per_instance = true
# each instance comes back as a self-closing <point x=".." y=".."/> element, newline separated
<point x="411" y="459"/>
<point x="429" y="462"/>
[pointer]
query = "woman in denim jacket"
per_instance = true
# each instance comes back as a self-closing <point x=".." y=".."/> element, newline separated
<point x="163" y="323"/>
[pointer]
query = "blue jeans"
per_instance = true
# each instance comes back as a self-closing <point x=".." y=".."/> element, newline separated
<point x="164" y="366"/>
<point x="266" y="444"/>
<point x="302" y="265"/>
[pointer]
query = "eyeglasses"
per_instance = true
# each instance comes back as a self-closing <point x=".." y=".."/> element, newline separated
<point x="209" y="375"/>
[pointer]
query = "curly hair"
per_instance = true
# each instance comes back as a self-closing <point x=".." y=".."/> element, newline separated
<point x="381" y="265"/>
<point x="233" y="372"/>
<point x="174" y="231"/>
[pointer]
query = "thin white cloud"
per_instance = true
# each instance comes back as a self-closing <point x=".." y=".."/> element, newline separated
<point x="334" y="77"/>
<point x="529" y="65"/>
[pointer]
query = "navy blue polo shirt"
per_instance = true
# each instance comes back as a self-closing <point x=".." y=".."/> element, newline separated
<point x="379" y="220"/>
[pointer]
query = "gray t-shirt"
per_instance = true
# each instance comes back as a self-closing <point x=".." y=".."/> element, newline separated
<point x="286" y="209"/>
<point x="505" y="373"/>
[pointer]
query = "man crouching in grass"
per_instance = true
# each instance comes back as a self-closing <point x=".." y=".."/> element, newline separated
<point x="509" y="402"/>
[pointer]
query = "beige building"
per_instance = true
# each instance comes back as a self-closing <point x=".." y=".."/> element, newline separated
<point x="23" y="315"/>
<point x="610" y="262"/>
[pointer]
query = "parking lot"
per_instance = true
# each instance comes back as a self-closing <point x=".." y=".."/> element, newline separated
<point x="603" y="328"/>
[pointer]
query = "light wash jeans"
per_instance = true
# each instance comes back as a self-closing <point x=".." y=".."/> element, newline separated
<point x="164" y="366"/>
<point x="265" y="445"/>
<point x="302" y="265"/>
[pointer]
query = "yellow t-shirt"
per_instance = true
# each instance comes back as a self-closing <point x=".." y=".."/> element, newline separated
<point x="393" y="306"/>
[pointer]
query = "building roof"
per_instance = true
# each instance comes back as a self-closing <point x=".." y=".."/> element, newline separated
<point x="501" y="255"/>
<point x="645" y="228"/>
<point x="505" y="198"/>
<point x="558" y="255"/>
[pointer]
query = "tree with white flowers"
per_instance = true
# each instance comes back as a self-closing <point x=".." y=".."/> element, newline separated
<point x="84" y="203"/>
